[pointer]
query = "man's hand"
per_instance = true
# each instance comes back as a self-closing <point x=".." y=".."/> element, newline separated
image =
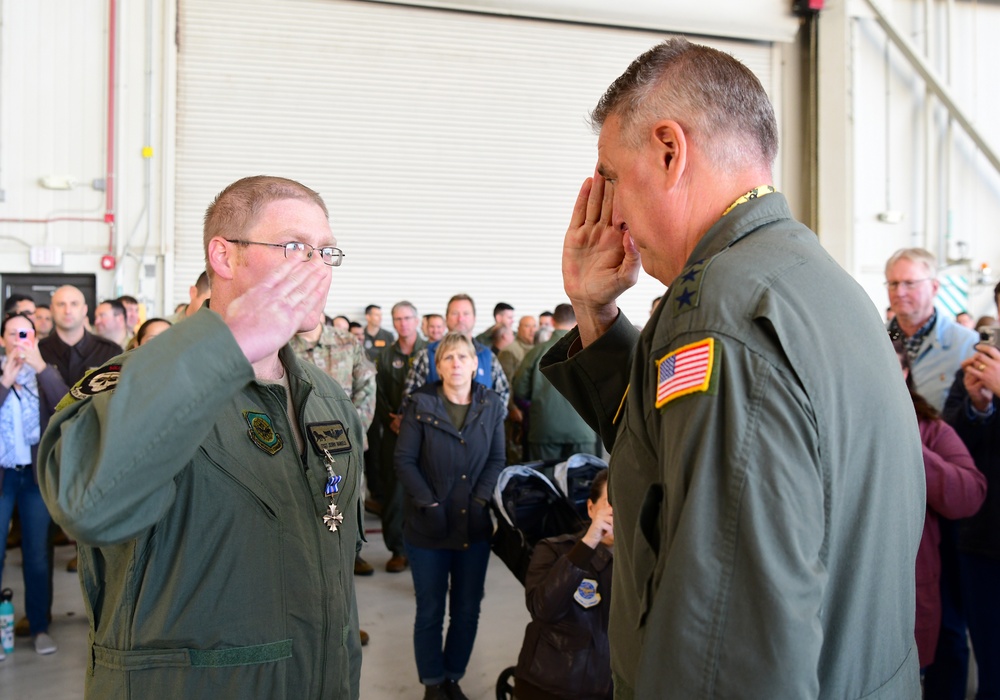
<point x="265" y="317"/>
<point x="982" y="376"/>
<point x="600" y="261"/>
<point x="396" y="420"/>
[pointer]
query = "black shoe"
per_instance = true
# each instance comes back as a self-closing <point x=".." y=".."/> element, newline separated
<point x="435" y="692"/>
<point x="453" y="692"/>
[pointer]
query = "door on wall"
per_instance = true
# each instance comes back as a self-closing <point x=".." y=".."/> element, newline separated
<point x="39" y="286"/>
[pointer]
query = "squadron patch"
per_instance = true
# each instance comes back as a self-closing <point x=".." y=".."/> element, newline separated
<point x="96" y="382"/>
<point x="328" y="436"/>
<point x="586" y="593"/>
<point x="684" y="371"/>
<point x="397" y="363"/>
<point x="262" y="432"/>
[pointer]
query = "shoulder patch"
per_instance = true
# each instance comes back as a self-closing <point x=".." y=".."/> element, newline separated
<point x="686" y="370"/>
<point x="96" y="382"/>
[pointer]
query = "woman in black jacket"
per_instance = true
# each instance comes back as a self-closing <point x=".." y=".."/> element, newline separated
<point x="568" y="590"/>
<point x="448" y="457"/>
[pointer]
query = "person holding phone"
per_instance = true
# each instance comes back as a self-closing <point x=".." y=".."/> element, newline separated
<point x="972" y="409"/>
<point x="29" y="392"/>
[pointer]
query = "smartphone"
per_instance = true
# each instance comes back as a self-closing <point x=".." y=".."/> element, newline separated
<point x="990" y="335"/>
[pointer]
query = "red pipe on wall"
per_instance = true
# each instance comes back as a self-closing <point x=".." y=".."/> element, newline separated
<point x="109" y="180"/>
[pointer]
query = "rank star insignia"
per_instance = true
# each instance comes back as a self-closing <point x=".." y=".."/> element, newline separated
<point x="333" y="518"/>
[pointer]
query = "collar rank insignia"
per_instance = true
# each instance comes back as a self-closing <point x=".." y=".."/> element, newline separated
<point x="685" y="292"/>
<point x="586" y="593"/>
<point x="328" y="436"/>
<point x="96" y="382"/>
<point x="684" y="371"/>
<point x="262" y="432"/>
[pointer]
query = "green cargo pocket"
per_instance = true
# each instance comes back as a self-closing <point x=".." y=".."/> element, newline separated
<point x="140" y="659"/>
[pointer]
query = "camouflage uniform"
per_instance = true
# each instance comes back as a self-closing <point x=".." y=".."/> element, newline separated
<point x="340" y="355"/>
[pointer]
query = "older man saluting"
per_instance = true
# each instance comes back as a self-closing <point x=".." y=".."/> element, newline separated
<point x="211" y="473"/>
<point x="766" y="469"/>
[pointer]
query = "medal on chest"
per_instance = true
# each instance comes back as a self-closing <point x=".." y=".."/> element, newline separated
<point x="329" y="438"/>
<point x="333" y="517"/>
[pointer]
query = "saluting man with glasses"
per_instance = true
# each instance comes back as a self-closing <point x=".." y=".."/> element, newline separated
<point x="212" y="479"/>
<point x="935" y="343"/>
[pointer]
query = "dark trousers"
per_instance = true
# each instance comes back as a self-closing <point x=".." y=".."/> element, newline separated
<point x="947" y="676"/>
<point x="981" y="594"/>
<point x="392" y="496"/>
<point x="372" y="458"/>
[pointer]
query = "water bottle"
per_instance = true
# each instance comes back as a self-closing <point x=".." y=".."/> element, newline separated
<point x="7" y="620"/>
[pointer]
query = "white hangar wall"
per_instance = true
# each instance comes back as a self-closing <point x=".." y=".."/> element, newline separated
<point x="892" y="172"/>
<point x="449" y="144"/>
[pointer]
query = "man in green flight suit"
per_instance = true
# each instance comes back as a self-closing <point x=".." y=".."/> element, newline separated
<point x="394" y="363"/>
<point x="766" y="471"/>
<point x="212" y="479"/>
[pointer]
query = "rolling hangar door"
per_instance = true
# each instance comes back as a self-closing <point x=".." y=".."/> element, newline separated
<point x="449" y="146"/>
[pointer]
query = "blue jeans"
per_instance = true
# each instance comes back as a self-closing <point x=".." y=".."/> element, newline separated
<point x="19" y="488"/>
<point x="980" y="584"/>
<point x="431" y="569"/>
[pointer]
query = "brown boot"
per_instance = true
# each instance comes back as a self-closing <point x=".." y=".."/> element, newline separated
<point x="364" y="638"/>
<point x="362" y="568"/>
<point x="397" y="564"/>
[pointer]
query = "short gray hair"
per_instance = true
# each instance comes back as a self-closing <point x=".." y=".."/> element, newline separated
<point x="716" y="99"/>
<point x="914" y="255"/>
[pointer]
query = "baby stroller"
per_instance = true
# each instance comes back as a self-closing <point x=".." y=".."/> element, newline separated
<point x="529" y="508"/>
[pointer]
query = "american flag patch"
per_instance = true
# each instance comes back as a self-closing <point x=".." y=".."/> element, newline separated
<point x="684" y="371"/>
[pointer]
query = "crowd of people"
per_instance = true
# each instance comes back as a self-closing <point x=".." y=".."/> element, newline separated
<point x="802" y="498"/>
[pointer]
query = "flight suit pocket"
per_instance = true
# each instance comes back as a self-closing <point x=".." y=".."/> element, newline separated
<point x="639" y="499"/>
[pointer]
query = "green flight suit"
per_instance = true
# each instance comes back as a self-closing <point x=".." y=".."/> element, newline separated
<point x="768" y="512"/>
<point x="555" y="429"/>
<point x="393" y="367"/>
<point x="206" y="566"/>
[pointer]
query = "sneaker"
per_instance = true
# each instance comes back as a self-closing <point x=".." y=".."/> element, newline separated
<point x="397" y="564"/>
<point x="453" y="692"/>
<point x="435" y="692"/>
<point x="44" y="644"/>
<point x="362" y="568"/>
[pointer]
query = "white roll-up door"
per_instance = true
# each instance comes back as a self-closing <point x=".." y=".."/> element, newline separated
<point x="449" y="146"/>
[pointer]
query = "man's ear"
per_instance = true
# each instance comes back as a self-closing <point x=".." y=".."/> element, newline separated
<point x="222" y="257"/>
<point x="671" y="144"/>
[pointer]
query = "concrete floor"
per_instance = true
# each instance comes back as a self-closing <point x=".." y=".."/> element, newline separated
<point x="385" y="605"/>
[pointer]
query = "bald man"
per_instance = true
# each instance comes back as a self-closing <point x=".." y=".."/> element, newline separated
<point x="71" y="347"/>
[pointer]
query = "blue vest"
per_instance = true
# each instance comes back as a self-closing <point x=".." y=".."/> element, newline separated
<point x="484" y="374"/>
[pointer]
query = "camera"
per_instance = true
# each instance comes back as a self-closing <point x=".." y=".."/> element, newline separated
<point x="25" y="334"/>
<point x="990" y="335"/>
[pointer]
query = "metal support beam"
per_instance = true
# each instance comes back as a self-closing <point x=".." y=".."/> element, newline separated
<point x="934" y="84"/>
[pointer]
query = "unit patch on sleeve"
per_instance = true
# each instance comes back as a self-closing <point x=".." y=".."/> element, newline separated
<point x="328" y="436"/>
<point x="684" y="371"/>
<point x="262" y="432"/>
<point x="96" y="382"/>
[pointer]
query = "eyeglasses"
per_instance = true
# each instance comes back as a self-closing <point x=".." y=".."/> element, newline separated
<point x="301" y="251"/>
<point x="908" y="285"/>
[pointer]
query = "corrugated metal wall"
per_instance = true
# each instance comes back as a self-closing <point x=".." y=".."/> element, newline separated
<point x="449" y="146"/>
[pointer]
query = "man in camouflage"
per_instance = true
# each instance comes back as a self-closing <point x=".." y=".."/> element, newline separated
<point x="343" y="359"/>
